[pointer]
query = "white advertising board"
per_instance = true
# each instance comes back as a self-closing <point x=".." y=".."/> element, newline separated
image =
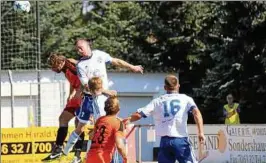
<point x="231" y="144"/>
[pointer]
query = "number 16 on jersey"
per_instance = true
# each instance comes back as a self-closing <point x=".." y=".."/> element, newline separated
<point x="171" y="107"/>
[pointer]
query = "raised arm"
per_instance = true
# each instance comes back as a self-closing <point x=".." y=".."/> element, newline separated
<point x="72" y="60"/>
<point x="123" y="64"/>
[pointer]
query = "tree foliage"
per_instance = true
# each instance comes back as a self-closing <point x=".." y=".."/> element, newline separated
<point x="18" y="38"/>
<point x="238" y="59"/>
<point x="216" y="47"/>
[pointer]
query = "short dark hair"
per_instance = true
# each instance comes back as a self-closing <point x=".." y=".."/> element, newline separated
<point x="171" y="81"/>
<point x="88" y="40"/>
<point x="229" y="95"/>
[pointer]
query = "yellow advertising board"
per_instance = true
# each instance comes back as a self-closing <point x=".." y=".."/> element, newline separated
<point x="25" y="145"/>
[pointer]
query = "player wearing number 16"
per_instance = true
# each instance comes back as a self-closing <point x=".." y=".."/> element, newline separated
<point x="108" y="134"/>
<point x="170" y="113"/>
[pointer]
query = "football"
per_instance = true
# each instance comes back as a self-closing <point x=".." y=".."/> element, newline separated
<point x="22" y="6"/>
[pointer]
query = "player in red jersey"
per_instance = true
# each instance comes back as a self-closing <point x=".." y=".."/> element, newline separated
<point x="108" y="134"/>
<point x="59" y="64"/>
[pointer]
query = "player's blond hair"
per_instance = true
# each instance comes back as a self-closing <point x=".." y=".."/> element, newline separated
<point x="112" y="106"/>
<point x="95" y="84"/>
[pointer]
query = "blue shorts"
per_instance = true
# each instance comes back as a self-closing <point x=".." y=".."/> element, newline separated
<point x="173" y="148"/>
<point x="86" y="109"/>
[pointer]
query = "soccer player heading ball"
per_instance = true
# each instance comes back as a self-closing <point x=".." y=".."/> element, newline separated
<point x="92" y="64"/>
<point x="58" y="64"/>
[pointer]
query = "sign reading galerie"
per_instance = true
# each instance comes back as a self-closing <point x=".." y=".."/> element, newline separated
<point x="232" y="144"/>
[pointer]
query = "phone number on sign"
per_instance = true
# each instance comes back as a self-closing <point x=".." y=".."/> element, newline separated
<point x="248" y="158"/>
<point x="26" y="148"/>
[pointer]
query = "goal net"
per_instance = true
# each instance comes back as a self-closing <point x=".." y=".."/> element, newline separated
<point x="19" y="40"/>
<point x="19" y="51"/>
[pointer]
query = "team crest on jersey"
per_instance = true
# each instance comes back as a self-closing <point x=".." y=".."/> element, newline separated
<point x="99" y="59"/>
<point x="97" y="73"/>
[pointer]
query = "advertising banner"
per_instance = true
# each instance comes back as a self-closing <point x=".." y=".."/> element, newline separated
<point x="31" y="145"/>
<point x="25" y="145"/>
<point x="231" y="144"/>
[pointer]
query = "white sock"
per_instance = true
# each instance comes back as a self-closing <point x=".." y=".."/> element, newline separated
<point x="73" y="138"/>
<point x="88" y="145"/>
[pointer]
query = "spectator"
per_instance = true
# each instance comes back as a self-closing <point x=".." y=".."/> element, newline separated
<point x="231" y="111"/>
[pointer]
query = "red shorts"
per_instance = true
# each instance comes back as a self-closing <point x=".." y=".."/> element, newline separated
<point x="99" y="157"/>
<point x="72" y="105"/>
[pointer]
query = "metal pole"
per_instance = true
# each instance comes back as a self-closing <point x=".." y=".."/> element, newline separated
<point x="0" y="55"/>
<point x="39" y="62"/>
<point x="12" y="97"/>
<point x="139" y="132"/>
<point x="30" y="110"/>
<point x="62" y="93"/>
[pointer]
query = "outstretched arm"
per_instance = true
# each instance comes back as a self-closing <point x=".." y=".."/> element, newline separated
<point x="134" y="117"/>
<point x="123" y="64"/>
<point x="110" y="92"/>
<point x="72" y="60"/>
<point x="141" y="113"/>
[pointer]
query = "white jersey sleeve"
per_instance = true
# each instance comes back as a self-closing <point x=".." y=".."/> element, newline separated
<point x="147" y="110"/>
<point x="105" y="56"/>
<point x="190" y="104"/>
<point x="82" y="75"/>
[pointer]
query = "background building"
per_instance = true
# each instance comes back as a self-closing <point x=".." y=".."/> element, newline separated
<point x="134" y="90"/>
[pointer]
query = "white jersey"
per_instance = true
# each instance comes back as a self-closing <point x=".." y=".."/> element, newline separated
<point x="170" y="113"/>
<point x="98" y="105"/>
<point x="94" y="66"/>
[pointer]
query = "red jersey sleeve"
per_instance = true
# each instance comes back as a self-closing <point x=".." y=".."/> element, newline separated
<point x="73" y="79"/>
<point x="70" y="71"/>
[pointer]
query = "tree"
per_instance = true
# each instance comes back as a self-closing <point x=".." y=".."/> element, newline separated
<point x="216" y="47"/>
<point x="239" y="60"/>
<point x="18" y="38"/>
<point x="113" y="25"/>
